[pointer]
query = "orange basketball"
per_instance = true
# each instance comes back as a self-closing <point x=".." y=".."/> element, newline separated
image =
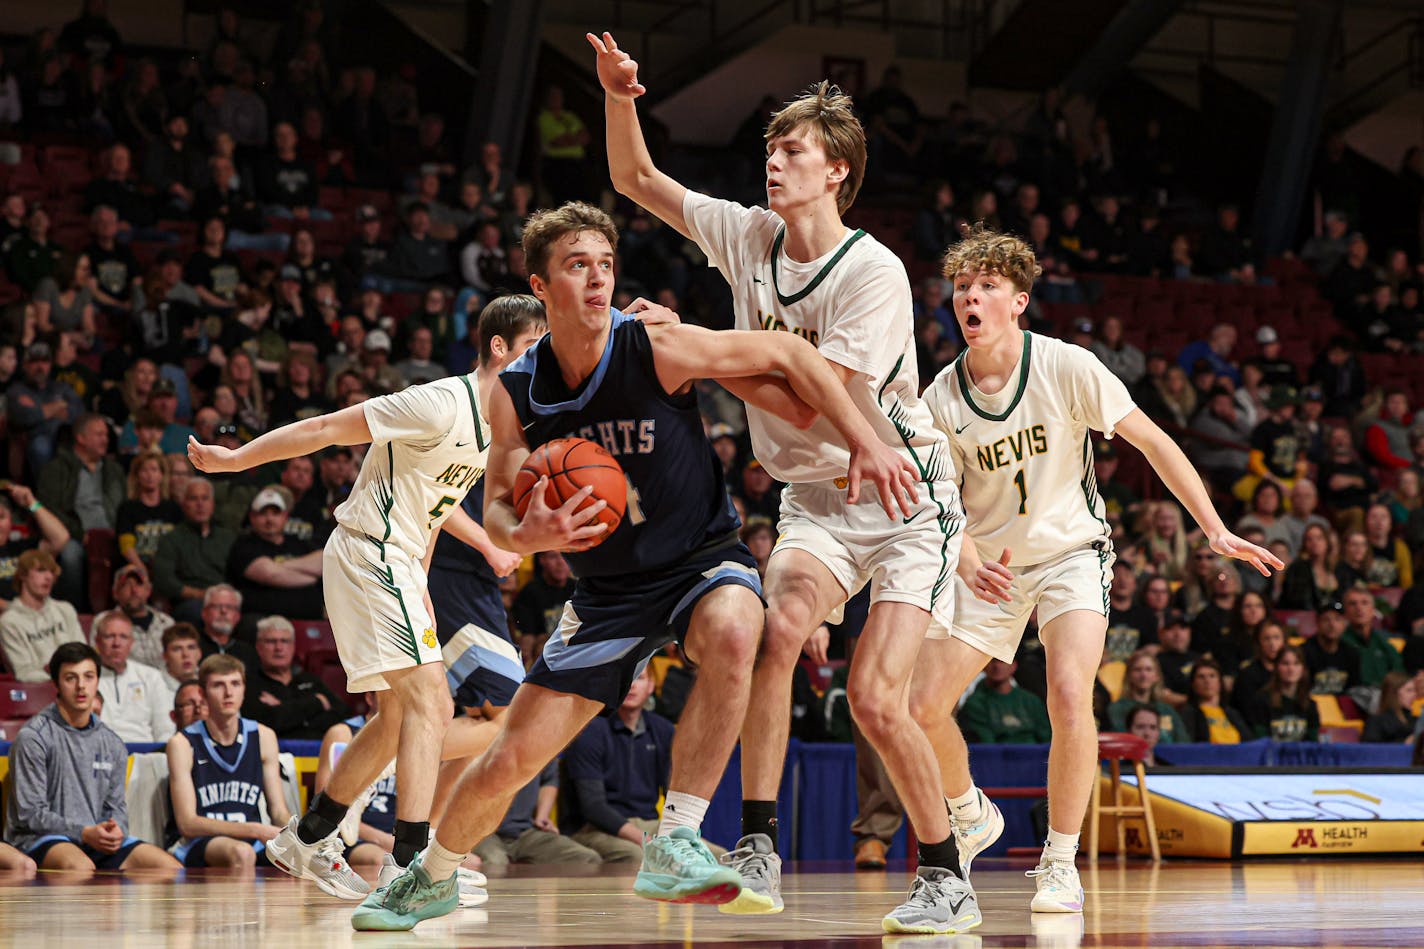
<point x="570" y="464"/>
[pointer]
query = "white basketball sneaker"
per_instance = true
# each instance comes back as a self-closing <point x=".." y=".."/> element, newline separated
<point x="323" y="863"/>
<point x="974" y="839"/>
<point x="1059" y="888"/>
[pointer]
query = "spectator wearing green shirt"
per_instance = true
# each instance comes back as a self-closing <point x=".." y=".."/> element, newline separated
<point x="1143" y="686"/>
<point x="192" y="556"/>
<point x="999" y="711"/>
<point x="1377" y="654"/>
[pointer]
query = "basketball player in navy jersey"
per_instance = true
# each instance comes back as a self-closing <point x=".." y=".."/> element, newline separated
<point x="375" y="835"/>
<point x="219" y="771"/>
<point x="672" y="569"/>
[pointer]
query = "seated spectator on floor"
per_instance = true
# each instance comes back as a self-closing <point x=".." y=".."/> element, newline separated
<point x="189" y="704"/>
<point x="221" y="770"/>
<point x="1252" y="676"/>
<point x="182" y="653"/>
<point x="35" y="624"/>
<point x="1145" y="722"/>
<point x="66" y="807"/>
<point x="528" y="835"/>
<point x="1394" y="722"/>
<point x="1207" y="717"/>
<point x="1387" y="439"/>
<point x="1284" y="710"/>
<point x="46" y="533"/>
<point x="147" y="514"/>
<point x="136" y="698"/>
<point x="998" y="711"/>
<point x="1390" y="562"/>
<point x="1143" y="686"/>
<point x="617" y="769"/>
<point x="1311" y="581"/>
<point x="40" y="405"/>
<point x="296" y="705"/>
<point x="540" y="603"/>
<point x="84" y="485"/>
<point x="193" y="557"/>
<point x="276" y="572"/>
<point x="376" y="834"/>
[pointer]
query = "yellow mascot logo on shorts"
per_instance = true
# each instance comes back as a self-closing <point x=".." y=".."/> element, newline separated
<point x="429" y="639"/>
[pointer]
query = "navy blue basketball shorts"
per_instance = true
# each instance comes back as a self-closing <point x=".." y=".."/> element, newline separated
<point x="612" y="626"/>
<point x="194" y="853"/>
<point x="482" y="664"/>
<point x="102" y="860"/>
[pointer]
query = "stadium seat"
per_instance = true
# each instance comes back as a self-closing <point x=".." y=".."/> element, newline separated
<point x="821" y="674"/>
<point x="99" y="549"/>
<point x="1111" y="674"/>
<point x="22" y="700"/>
<point x="1332" y="714"/>
<point x="313" y="635"/>
<point x="1339" y="734"/>
<point x="1298" y="622"/>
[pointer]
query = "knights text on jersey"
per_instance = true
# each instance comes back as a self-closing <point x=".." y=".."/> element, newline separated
<point x="429" y="444"/>
<point x="854" y="306"/>
<point x="1025" y="453"/>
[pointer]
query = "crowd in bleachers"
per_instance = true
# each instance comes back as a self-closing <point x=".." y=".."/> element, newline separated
<point x="220" y="242"/>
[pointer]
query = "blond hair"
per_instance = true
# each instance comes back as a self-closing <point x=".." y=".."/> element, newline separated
<point x="141" y="459"/>
<point x="990" y="251"/>
<point x="830" y="116"/>
<point x="545" y="228"/>
<point x="220" y="664"/>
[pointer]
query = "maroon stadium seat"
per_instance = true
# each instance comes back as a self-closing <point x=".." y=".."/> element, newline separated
<point x="313" y="636"/>
<point x="22" y="700"/>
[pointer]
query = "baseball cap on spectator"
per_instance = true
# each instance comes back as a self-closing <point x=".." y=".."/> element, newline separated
<point x="290" y="272"/>
<point x="129" y="571"/>
<point x="1330" y="606"/>
<point x="1083" y="326"/>
<point x="1267" y="335"/>
<point x="367" y="212"/>
<point x="39" y="352"/>
<point x="227" y="429"/>
<point x="269" y="497"/>
<point x="163" y="387"/>
<point x="720" y="430"/>
<point x="1174" y="618"/>
<point x="378" y="339"/>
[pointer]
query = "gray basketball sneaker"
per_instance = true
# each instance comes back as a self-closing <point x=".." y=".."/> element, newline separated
<point x="760" y="866"/>
<point x="322" y="863"/>
<point x="940" y="903"/>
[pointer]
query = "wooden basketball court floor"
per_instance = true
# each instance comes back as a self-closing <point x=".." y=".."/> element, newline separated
<point x="1179" y="903"/>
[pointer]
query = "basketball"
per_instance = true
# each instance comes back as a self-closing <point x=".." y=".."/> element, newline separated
<point x="570" y="464"/>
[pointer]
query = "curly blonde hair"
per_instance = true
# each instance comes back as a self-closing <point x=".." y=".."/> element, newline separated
<point x="993" y="252"/>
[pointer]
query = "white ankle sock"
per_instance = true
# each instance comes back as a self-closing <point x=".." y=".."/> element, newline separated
<point x="966" y="809"/>
<point x="440" y="864"/>
<point x="1060" y="848"/>
<point x="682" y="810"/>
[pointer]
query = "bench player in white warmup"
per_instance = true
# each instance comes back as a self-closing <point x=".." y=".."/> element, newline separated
<point x="797" y="268"/>
<point x="1018" y="409"/>
<point x="429" y="444"/>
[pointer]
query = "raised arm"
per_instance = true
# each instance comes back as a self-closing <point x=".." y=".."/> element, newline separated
<point x="1182" y="479"/>
<point x="683" y="353"/>
<point x="629" y="164"/>
<point x="345" y="427"/>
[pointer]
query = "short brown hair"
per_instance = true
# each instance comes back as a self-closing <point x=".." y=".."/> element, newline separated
<point x="830" y="116"/>
<point x="220" y="664"/>
<point x="544" y="228"/>
<point x="992" y="252"/>
<point x="34" y="560"/>
<point x="179" y="631"/>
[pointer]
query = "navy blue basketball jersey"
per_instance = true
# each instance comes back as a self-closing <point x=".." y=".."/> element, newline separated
<point x="461" y="581"/>
<point x="227" y="778"/>
<point x="677" y="497"/>
<point x="381" y="812"/>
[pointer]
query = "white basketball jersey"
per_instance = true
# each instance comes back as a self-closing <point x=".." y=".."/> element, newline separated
<point x="1025" y="455"/>
<point x="854" y="306"/>
<point x="429" y="444"/>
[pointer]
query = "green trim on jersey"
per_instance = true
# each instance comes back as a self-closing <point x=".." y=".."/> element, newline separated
<point x="949" y="525"/>
<point x="475" y="412"/>
<point x="816" y="280"/>
<point x="963" y="375"/>
<point x="1089" y="485"/>
<point x="400" y="631"/>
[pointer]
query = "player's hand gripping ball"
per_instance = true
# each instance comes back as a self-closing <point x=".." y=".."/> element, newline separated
<point x="571" y="464"/>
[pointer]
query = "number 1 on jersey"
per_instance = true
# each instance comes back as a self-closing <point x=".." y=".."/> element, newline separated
<point x="1023" y="492"/>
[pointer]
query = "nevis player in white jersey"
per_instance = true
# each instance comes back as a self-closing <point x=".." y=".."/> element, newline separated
<point x="1018" y="409"/>
<point x="429" y="444"/>
<point x="795" y="267"/>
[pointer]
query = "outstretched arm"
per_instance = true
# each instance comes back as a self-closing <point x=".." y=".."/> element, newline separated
<point x="772" y="394"/>
<point x="1178" y="475"/>
<point x="683" y="353"/>
<point x="629" y="164"/>
<point x="345" y="427"/>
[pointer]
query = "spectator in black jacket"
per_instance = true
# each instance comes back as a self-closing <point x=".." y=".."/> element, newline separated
<point x="417" y="256"/>
<point x="295" y="705"/>
<point x="366" y="253"/>
<point x="1393" y="722"/>
<point x="174" y="170"/>
<point x="287" y="185"/>
<point x="116" y="188"/>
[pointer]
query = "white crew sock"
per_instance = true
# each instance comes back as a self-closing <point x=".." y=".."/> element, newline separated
<point x="1060" y="848"/>
<point x="967" y="808"/>
<point x="439" y="863"/>
<point x="682" y="810"/>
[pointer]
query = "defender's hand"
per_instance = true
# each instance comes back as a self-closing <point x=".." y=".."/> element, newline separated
<point x="883" y="466"/>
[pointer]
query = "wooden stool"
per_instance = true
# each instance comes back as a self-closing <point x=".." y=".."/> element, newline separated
<point x="1114" y="748"/>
